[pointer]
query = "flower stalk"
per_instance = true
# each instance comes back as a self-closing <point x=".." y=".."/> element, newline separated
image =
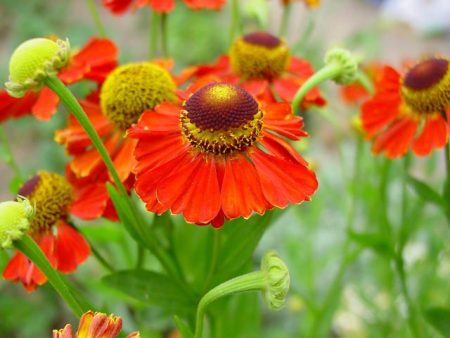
<point x="340" y="66"/>
<point x="30" y="249"/>
<point x="10" y="159"/>
<point x="96" y="17"/>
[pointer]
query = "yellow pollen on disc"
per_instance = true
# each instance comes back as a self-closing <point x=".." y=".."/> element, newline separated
<point x="131" y="89"/>
<point x="259" y="55"/>
<point x="221" y="119"/>
<point x="426" y="86"/>
<point x="50" y="194"/>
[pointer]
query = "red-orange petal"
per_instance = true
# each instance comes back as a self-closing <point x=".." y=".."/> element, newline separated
<point x="378" y="112"/>
<point x="397" y="139"/>
<point x="241" y="190"/>
<point x="433" y="136"/>
<point x="205" y="4"/>
<point x="280" y="148"/>
<point x="90" y="201"/>
<point x="71" y="249"/>
<point x="46" y="104"/>
<point x="117" y="7"/>
<point x="283" y="182"/>
<point x="161" y="6"/>
<point x="11" y="107"/>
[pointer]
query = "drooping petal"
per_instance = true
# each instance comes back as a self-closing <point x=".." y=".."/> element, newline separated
<point x="241" y="190"/>
<point x="433" y="136"/>
<point x="71" y="249"/>
<point x="283" y="182"/>
<point x="397" y="139"/>
<point x="280" y="148"/>
<point x="90" y="201"/>
<point x="378" y="112"/>
<point x="11" y="107"/>
<point x="117" y="7"/>
<point x="192" y="189"/>
<point x="46" y="104"/>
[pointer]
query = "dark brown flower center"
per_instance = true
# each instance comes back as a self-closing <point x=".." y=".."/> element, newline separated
<point x="221" y="119"/>
<point x="221" y="106"/>
<point x="262" y="39"/>
<point x="426" y="74"/>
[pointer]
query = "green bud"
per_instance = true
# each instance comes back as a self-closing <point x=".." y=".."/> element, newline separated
<point x="348" y="65"/>
<point x="33" y="61"/>
<point x="277" y="280"/>
<point x="14" y="220"/>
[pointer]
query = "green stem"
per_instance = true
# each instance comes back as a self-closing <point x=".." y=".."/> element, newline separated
<point x="327" y="72"/>
<point x="164" y="36"/>
<point x="96" y="18"/>
<point x="235" y="26"/>
<point x="74" y="107"/>
<point x="284" y="24"/>
<point x="10" y="160"/>
<point x="140" y="257"/>
<point x="30" y="249"/>
<point x="320" y="323"/>
<point x="253" y="281"/>
<point x="446" y="193"/>
<point x="214" y="257"/>
<point x="366" y="82"/>
<point x="153" y="35"/>
<point x="413" y="320"/>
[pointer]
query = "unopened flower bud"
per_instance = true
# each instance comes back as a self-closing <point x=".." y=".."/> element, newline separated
<point x="33" y="61"/>
<point x="348" y="65"/>
<point x="277" y="280"/>
<point x="14" y="221"/>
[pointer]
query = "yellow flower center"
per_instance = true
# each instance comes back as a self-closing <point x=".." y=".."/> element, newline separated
<point x="51" y="196"/>
<point x="131" y="89"/>
<point x="259" y="55"/>
<point x="220" y="119"/>
<point x="426" y="87"/>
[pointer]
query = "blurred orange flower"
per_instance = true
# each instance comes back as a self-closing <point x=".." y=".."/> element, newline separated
<point x="119" y="7"/>
<point x="64" y="247"/>
<point x="261" y="63"/>
<point x="221" y="155"/>
<point x="411" y="110"/>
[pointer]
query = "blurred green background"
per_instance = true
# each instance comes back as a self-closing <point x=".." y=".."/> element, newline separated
<point x="313" y="237"/>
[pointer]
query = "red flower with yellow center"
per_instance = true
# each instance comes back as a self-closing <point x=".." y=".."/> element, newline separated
<point x="221" y="155"/>
<point x="119" y="7"/>
<point x="95" y="325"/>
<point x="410" y="111"/>
<point x="261" y="63"/>
<point x="93" y="62"/>
<point x="127" y="92"/>
<point x="65" y="248"/>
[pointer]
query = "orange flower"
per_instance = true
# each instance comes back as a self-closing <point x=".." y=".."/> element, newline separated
<point x="261" y="63"/>
<point x="95" y="325"/>
<point x="64" y="247"/>
<point x="126" y="93"/>
<point x="220" y="155"/>
<point x="92" y="62"/>
<point x="407" y="111"/>
<point x="355" y="93"/>
<point x="119" y="7"/>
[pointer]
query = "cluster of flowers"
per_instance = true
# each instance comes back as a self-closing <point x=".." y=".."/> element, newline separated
<point x="210" y="143"/>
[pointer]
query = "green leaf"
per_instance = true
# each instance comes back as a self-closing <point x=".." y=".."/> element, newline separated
<point x="439" y="318"/>
<point x="183" y="328"/>
<point x="240" y="245"/>
<point x="373" y="241"/>
<point x="426" y="192"/>
<point x="152" y="288"/>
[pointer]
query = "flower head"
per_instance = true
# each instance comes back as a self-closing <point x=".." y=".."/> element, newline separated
<point x="277" y="280"/>
<point x="33" y="61"/>
<point x="51" y="196"/>
<point x="131" y="89"/>
<point x="14" y="220"/>
<point x="262" y="64"/>
<point x="95" y="325"/>
<point x="407" y="111"/>
<point x="219" y="156"/>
